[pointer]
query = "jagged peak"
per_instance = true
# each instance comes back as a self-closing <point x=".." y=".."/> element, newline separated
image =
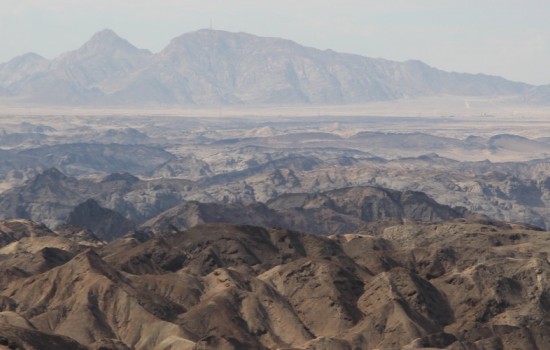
<point x="106" y="36"/>
<point x="107" y="40"/>
<point x="19" y="228"/>
<point x="89" y="260"/>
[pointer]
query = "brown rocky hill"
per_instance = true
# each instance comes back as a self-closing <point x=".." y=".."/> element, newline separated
<point x="458" y="284"/>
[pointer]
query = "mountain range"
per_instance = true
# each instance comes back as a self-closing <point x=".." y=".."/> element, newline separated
<point x="211" y="68"/>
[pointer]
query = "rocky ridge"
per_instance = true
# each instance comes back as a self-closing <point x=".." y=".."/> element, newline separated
<point x="459" y="284"/>
<point x="120" y="202"/>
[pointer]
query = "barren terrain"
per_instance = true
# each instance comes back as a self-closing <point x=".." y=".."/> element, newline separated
<point x="211" y="230"/>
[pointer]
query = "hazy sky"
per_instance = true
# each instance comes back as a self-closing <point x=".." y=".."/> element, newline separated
<point x="510" y="38"/>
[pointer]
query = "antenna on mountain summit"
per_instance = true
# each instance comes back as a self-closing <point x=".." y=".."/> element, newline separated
<point x="210" y="24"/>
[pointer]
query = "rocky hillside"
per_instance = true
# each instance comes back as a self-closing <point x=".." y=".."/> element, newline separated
<point x="105" y="223"/>
<point x="451" y="285"/>
<point x="86" y="158"/>
<point x="119" y="202"/>
<point x="338" y="211"/>
<point x="516" y="192"/>
<point x="209" y="67"/>
<point x="51" y="196"/>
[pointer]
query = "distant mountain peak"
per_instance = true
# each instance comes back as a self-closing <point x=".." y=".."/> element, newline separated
<point x="216" y="67"/>
<point x="216" y="35"/>
<point x="30" y="56"/>
<point x="106" y="34"/>
<point x="27" y="60"/>
<point x="107" y="41"/>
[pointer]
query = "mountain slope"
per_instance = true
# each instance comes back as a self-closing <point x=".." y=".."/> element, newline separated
<point x="76" y="77"/>
<point x="51" y="196"/>
<point x="107" y="224"/>
<point x="209" y="67"/>
<point x="452" y="285"/>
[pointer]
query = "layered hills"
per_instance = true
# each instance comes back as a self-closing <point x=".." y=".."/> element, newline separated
<point x="503" y="191"/>
<point x="459" y="284"/>
<point x="210" y="68"/>
<point x="253" y="232"/>
<point x="182" y="233"/>
<point x="117" y="203"/>
<point x="338" y="211"/>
